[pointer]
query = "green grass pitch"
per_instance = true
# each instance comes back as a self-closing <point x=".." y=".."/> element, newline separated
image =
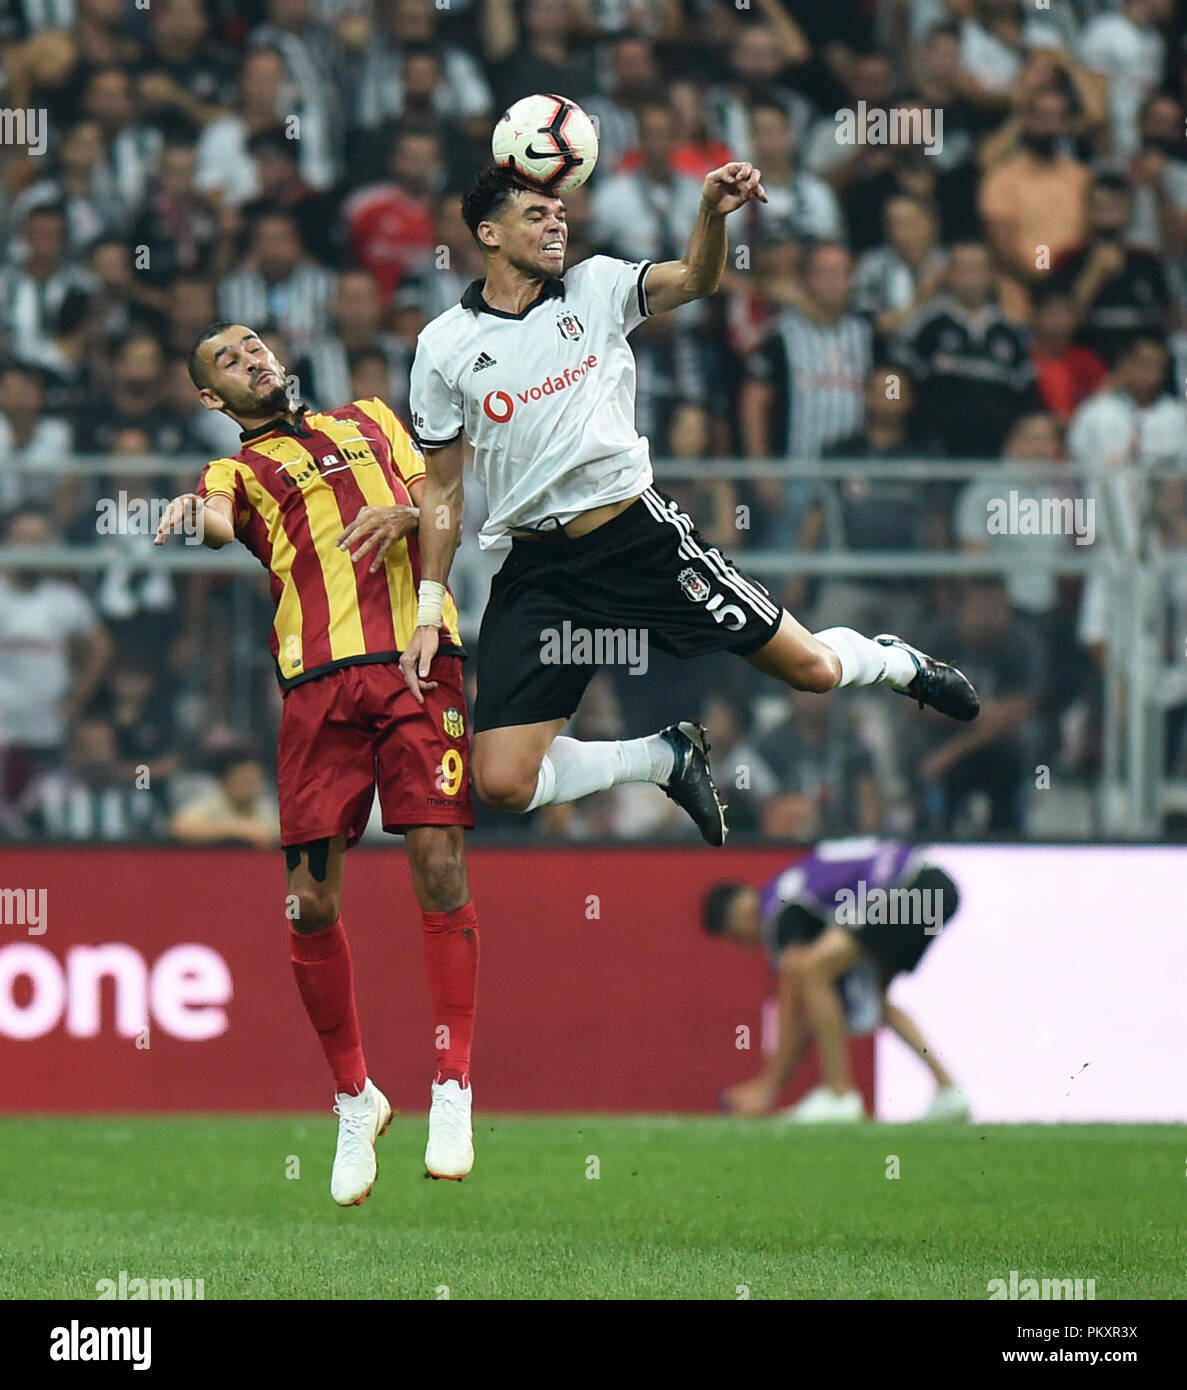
<point x="679" y="1208"/>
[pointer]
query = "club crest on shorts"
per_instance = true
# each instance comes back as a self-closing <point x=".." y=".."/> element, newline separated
<point x="570" y="326"/>
<point x="453" y="723"/>
<point x="694" y="584"/>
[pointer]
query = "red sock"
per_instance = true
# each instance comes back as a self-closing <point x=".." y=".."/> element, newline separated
<point x="451" y="960"/>
<point x="325" y="979"/>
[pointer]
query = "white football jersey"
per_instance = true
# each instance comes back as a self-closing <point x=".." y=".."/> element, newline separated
<point x="546" y="398"/>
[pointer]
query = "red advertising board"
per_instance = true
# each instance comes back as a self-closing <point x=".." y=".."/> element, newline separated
<point x="598" y="990"/>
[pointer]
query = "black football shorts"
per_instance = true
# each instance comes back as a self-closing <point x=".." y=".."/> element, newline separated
<point x="560" y="607"/>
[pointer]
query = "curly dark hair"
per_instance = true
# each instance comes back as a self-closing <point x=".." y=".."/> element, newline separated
<point x="490" y="190"/>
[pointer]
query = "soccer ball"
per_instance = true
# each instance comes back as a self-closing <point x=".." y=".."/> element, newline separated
<point x="547" y="140"/>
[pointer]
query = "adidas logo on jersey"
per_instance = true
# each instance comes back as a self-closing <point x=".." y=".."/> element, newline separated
<point x="483" y="360"/>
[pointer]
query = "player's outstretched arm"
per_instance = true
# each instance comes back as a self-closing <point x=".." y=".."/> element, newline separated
<point x="441" y="503"/>
<point x="211" y="519"/>
<point x="672" y="283"/>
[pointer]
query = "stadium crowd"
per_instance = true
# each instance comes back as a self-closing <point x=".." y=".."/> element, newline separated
<point x="1014" y="289"/>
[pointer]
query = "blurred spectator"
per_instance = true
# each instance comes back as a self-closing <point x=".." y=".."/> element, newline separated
<point x="136" y="599"/>
<point x="82" y="183"/>
<point x="983" y="507"/>
<point x="135" y="701"/>
<point x="325" y="369"/>
<point x="649" y="213"/>
<point x="893" y="279"/>
<point x="32" y="291"/>
<point x="133" y="145"/>
<point x="876" y="514"/>
<point x="266" y="97"/>
<point x="61" y="359"/>
<point x="869" y="79"/>
<point x="238" y="808"/>
<point x="1034" y="203"/>
<point x="825" y="774"/>
<point x="457" y="259"/>
<point x="540" y="50"/>
<point x="312" y="58"/>
<point x="1158" y="175"/>
<point x="885" y="171"/>
<point x="53" y="653"/>
<point x="29" y="441"/>
<point x="1128" y="49"/>
<point x="136" y="400"/>
<point x="278" y="284"/>
<point x="1066" y="373"/>
<point x="282" y="188"/>
<point x="994" y="38"/>
<point x="390" y="225"/>
<point x="123" y="303"/>
<point x="799" y="203"/>
<point x="697" y="150"/>
<point x="970" y="362"/>
<point x="378" y="80"/>
<point x="739" y="770"/>
<point x="806" y="385"/>
<point x="986" y="761"/>
<point x="177" y="232"/>
<point x="91" y="797"/>
<point x="757" y="56"/>
<point x="183" y="69"/>
<point x="1125" y="429"/>
<point x="1118" y="291"/>
<point x="634" y="83"/>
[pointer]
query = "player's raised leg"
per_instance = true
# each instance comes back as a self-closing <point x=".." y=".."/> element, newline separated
<point x="324" y="973"/>
<point x="523" y="766"/>
<point x="451" y="950"/>
<point x="840" y="656"/>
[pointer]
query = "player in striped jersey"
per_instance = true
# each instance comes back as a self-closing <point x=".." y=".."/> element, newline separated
<point x="349" y="724"/>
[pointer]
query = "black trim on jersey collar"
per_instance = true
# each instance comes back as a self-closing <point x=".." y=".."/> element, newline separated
<point x="552" y="288"/>
<point x="283" y="423"/>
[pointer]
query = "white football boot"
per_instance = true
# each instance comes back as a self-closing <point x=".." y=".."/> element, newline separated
<point x="949" y="1103"/>
<point x="823" y="1106"/>
<point x="361" y="1120"/>
<point x="450" y="1150"/>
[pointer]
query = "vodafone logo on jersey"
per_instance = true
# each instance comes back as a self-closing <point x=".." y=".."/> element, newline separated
<point x="499" y="406"/>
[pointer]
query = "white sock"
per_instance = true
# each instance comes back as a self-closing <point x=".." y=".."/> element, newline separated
<point x="572" y="769"/>
<point x="866" y="662"/>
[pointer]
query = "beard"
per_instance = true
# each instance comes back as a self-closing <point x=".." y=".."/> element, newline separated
<point x="272" y="400"/>
<point x="1041" y="146"/>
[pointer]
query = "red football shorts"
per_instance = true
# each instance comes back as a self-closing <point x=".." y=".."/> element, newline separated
<point x="360" y="728"/>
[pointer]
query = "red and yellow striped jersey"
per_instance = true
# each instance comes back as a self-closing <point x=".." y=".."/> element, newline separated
<point x="295" y="486"/>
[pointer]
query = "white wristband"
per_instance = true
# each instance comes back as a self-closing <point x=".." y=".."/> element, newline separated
<point x="432" y="603"/>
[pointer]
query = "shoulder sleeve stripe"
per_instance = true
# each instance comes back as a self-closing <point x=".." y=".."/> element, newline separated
<point x="640" y="292"/>
<point x="438" y="443"/>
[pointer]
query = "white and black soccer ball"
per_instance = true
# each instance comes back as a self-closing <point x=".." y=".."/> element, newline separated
<point x="548" y="141"/>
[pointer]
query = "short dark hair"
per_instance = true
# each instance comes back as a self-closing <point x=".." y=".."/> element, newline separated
<point x="716" y="906"/>
<point x="194" y="363"/>
<point x="1112" y="182"/>
<point x="490" y="190"/>
<point x="221" y="760"/>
